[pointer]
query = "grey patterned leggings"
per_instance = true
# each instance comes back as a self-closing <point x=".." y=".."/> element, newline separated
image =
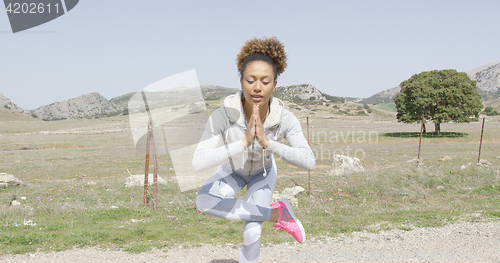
<point x="217" y="198"/>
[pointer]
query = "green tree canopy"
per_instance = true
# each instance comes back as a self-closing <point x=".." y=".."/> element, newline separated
<point x="439" y="95"/>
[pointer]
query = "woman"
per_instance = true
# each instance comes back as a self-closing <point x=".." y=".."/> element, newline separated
<point x="248" y="127"/>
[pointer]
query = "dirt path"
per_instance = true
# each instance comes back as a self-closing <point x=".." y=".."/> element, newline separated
<point x="463" y="242"/>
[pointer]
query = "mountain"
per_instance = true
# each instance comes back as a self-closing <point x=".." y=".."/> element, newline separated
<point x="9" y="105"/>
<point x="304" y="93"/>
<point x="88" y="105"/>
<point x="386" y="96"/>
<point x="487" y="78"/>
<point x="95" y="105"/>
<point x="214" y="92"/>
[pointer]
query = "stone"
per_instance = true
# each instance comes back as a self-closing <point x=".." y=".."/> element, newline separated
<point x="8" y="180"/>
<point x="138" y="180"/>
<point x="289" y="194"/>
<point x="343" y="165"/>
<point x="15" y="203"/>
<point x="484" y="162"/>
<point x="446" y="158"/>
<point x="465" y="166"/>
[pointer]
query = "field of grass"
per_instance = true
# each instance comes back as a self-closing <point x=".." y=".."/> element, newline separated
<point x="74" y="173"/>
<point x="386" y="107"/>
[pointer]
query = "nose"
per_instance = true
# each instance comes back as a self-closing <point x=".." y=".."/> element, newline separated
<point x="257" y="87"/>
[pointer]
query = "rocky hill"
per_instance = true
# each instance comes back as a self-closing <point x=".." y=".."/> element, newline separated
<point x="88" y="105"/>
<point x="386" y="96"/>
<point x="488" y="85"/>
<point x="214" y="92"/>
<point x="488" y="80"/>
<point x="7" y="104"/>
<point x="304" y="93"/>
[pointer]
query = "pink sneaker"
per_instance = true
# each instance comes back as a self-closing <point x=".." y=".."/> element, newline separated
<point x="288" y="222"/>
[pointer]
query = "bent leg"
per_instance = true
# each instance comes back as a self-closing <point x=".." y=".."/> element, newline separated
<point x="260" y="192"/>
<point x="216" y="198"/>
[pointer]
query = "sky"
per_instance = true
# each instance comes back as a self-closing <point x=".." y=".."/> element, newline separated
<point x="343" y="48"/>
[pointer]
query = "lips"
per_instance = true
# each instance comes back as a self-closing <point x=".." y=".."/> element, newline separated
<point x="257" y="98"/>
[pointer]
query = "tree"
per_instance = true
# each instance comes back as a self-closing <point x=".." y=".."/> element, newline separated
<point x="440" y="96"/>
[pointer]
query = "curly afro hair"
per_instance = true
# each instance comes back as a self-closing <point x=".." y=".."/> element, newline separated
<point x="269" y="50"/>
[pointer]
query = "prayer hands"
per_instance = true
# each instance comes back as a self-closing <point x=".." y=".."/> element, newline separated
<point x="255" y="130"/>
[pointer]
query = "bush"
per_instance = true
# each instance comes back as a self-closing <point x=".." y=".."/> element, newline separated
<point x="490" y="112"/>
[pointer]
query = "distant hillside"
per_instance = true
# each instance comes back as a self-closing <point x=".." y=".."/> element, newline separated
<point x="88" y="105"/>
<point x="488" y="85"/>
<point x="214" y="92"/>
<point x="210" y="92"/>
<point x="304" y="93"/>
<point x="6" y="103"/>
<point x="386" y="96"/>
<point x="488" y="80"/>
<point x="95" y="105"/>
<point x="10" y="115"/>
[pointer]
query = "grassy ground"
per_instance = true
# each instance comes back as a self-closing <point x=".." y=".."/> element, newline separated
<point x="386" y="107"/>
<point x="74" y="173"/>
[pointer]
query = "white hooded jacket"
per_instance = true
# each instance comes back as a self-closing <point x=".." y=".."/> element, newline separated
<point x="221" y="142"/>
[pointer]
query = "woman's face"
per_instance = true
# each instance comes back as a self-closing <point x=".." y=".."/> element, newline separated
<point x="258" y="82"/>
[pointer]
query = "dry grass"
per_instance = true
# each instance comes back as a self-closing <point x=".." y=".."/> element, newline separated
<point x="75" y="171"/>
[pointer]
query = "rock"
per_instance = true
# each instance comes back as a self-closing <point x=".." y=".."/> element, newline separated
<point x="91" y="183"/>
<point x="446" y="158"/>
<point x="484" y="162"/>
<point x="412" y="160"/>
<point x="138" y="180"/>
<point x="15" y="203"/>
<point x="29" y="223"/>
<point x="7" y="180"/>
<point x="465" y="166"/>
<point x="345" y="165"/>
<point x="289" y="194"/>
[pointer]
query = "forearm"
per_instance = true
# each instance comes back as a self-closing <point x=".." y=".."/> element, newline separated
<point x="208" y="155"/>
<point x="300" y="156"/>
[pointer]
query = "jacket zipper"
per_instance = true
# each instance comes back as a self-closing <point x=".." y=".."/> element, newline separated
<point x="251" y="160"/>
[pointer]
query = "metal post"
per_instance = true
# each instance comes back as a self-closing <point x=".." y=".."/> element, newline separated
<point x="146" y="174"/>
<point x="155" y="174"/>
<point x="309" y="172"/>
<point x="420" y="141"/>
<point x="480" y="143"/>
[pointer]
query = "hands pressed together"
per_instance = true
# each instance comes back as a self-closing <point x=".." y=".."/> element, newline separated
<point x="255" y="130"/>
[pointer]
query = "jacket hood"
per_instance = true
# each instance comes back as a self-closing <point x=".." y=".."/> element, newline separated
<point x="235" y="113"/>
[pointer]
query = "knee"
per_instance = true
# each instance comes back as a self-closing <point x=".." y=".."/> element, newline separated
<point x="201" y="203"/>
<point x="206" y="201"/>
<point x="252" y="233"/>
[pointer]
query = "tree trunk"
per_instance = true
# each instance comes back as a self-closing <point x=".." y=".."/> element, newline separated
<point x="425" y="130"/>
<point x="437" y="129"/>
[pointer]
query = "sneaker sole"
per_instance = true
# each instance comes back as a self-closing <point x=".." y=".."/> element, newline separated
<point x="290" y="209"/>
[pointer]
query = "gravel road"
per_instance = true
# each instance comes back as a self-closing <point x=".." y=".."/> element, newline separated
<point x="461" y="242"/>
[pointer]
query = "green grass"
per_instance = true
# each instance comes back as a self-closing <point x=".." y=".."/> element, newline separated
<point x="60" y="169"/>
<point x="426" y="135"/>
<point x="386" y="106"/>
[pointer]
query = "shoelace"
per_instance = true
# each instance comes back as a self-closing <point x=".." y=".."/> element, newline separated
<point x="281" y="225"/>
